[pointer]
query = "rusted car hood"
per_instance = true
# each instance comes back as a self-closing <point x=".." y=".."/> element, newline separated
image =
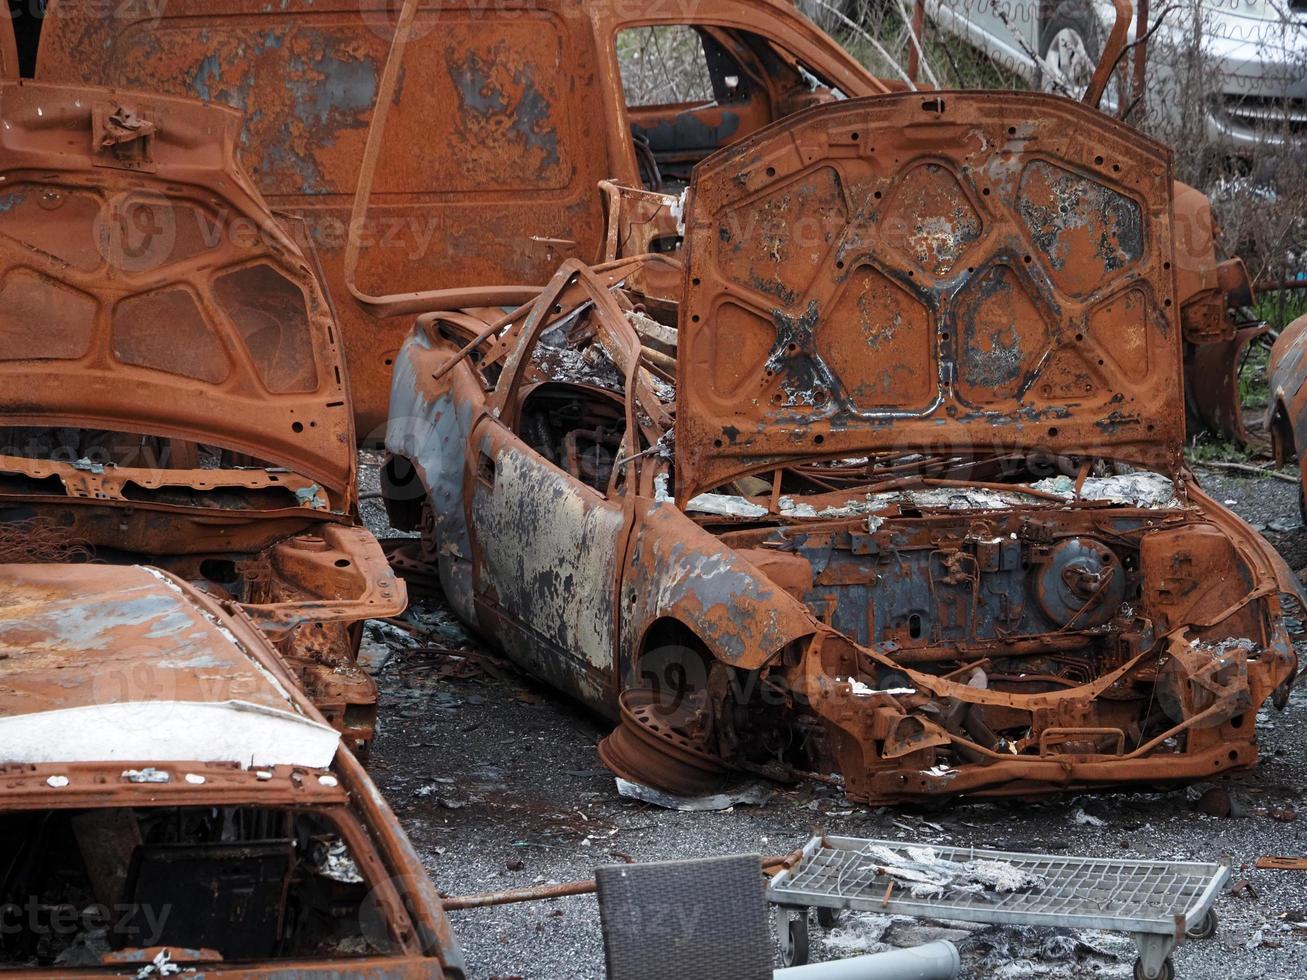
<point x="124" y="213"/>
<point x="102" y="663"/>
<point x="953" y="272"/>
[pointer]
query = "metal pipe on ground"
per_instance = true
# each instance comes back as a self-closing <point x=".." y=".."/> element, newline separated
<point x="933" y="961"/>
<point x="540" y="893"/>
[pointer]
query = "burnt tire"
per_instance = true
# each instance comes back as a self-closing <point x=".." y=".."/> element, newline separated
<point x="1073" y="31"/>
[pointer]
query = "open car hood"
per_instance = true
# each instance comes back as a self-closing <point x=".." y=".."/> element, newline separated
<point x="945" y="272"/>
<point x="145" y="286"/>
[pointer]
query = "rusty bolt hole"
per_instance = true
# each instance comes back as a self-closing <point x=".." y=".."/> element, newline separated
<point x="818" y="439"/>
<point x="297" y="426"/>
<point x="771" y="171"/>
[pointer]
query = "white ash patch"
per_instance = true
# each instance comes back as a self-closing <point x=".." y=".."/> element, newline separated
<point x="1151" y="490"/>
<point x="724" y="505"/>
<point x="927" y="875"/>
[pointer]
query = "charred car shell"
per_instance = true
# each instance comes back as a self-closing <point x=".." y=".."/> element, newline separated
<point x="1286" y="411"/>
<point x="173" y="385"/>
<point x="168" y="796"/>
<point x="895" y="491"/>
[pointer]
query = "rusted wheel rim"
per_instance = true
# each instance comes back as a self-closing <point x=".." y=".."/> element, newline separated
<point x="645" y="748"/>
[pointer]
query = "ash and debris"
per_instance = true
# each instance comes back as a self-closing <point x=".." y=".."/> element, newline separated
<point x="1139" y="489"/>
<point x="496" y="780"/>
<point x="927" y="875"/>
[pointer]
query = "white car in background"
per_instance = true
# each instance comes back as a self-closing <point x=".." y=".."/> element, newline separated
<point x="1244" y="60"/>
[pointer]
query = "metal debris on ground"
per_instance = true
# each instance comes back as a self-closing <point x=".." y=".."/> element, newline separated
<point x="753" y="794"/>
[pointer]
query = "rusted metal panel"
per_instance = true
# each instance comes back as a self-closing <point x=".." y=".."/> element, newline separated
<point x="1206" y="291"/>
<point x="962" y="270"/>
<point x="526" y="96"/>
<point x="1286" y="410"/>
<point x="173" y="389"/>
<point x="144" y="283"/>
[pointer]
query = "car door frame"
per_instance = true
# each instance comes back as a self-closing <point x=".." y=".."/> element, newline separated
<point x="780" y="24"/>
<point x="495" y="432"/>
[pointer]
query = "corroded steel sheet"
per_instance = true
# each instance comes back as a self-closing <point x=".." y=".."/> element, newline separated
<point x="963" y="270"/>
<point x="144" y="284"/>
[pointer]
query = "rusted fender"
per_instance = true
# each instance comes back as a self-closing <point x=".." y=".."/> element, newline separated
<point x="738" y="612"/>
<point x="430" y="423"/>
<point x="1286" y="410"/>
<point x="1211" y="379"/>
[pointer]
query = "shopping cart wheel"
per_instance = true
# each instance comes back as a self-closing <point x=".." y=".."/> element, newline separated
<point x="795" y="952"/>
<point x="1206" y="927"/>
<point x="1168" y="971"/>
<point x="827" y="918"/>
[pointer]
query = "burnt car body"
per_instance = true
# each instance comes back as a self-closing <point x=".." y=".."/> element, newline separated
<point x="1286" y="409"/>
<point x="534" y="110"/>
<point x="168" y="796"/>
<point x="890" y="484"/>
<point x="172" y="389"/>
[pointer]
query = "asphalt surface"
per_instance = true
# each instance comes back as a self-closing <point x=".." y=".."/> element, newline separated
<point x="497" y="783"/>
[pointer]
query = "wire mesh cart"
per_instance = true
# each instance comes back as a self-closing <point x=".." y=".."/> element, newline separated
<point x="1159" y="903"/>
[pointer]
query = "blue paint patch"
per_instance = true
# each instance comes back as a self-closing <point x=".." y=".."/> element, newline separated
<point x="10" y="201"/>
<point x="80" y="626"/>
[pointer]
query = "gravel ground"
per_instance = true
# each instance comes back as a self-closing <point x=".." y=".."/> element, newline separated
<point x="497" y="782"/>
